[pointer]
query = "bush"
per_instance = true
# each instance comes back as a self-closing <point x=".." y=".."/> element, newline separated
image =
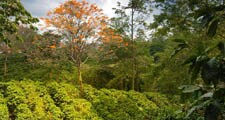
<point x="31" y="100"/>
<point x="34" y="101"/>
<point x="15" y="97"/>
<point x="67" y="98"/>
<point x="145" y="106"/>
<point x="119" y="105"/>
<point x="159" y="99"/>
<point x="52" y="112"/>
<point x="3" y="108"/>
<point x="167" y="109"/>
<point x="23" y="112"/>
<point x="19" y="67"/>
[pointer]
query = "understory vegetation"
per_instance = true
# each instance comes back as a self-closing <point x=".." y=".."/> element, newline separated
<point x="31" y="100"/>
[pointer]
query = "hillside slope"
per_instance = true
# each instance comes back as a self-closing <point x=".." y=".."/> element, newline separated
<point x="29" y="100"/>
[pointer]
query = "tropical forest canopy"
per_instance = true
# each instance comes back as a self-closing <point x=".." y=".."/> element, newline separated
<point x="84" y="65"/>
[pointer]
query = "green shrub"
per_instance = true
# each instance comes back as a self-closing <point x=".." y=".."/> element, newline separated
<point x="34" y="100"/>
<point x="85" y="110"/>
<point x="72" y="91"/>
<point x="4" y="114"/>
<point x="119" y="105"/>
<point x="52" y="111"/>
<point x="19" y="68"/>
<point x="167" y="109"/>
<point x="159" y="99"/>
<point x="61" y="99"/>
<point x="145" y="106"/>
<point x="58" y="94"/>
<point x="66" y="97"/>
<point x="23" y="112"/>
<point x="15" y="97"/>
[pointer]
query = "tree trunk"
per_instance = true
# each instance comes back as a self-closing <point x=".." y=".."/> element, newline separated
<point x="79" y="74"/>
<point x="5" y="65"/>
<point x="133" y="54"/>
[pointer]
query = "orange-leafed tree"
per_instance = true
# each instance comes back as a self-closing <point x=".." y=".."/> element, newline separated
<point x="109" y="35"/>
<point x="111" y="41"/>
<point x="79" y="23"/>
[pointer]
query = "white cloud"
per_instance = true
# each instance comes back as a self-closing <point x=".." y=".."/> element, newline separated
<point x="39" y="8"/>
<point x="109" y="4"/>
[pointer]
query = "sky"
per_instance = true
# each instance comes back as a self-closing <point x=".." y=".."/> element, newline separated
<point x="39" y="8"/>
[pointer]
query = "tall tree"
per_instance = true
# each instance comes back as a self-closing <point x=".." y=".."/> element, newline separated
<point x="130" y="20"/>
<point x="79" y="24"/>
<point x="12" y="13"/>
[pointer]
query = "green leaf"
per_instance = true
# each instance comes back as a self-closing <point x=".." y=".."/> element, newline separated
<point x="201" y="58"/>
<point x="206" y="95"/>
<point x="189" y="88"/>
<point x="182" y="44"/>
<point x="212" y="28"/>
<point x="179" y="48"/>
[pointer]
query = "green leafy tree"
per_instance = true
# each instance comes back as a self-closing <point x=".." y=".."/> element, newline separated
<point x="12" y="13"/>
<point x="205" y="22"/>
<point x="130" y="24"/>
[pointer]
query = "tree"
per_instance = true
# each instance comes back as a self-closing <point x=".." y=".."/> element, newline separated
<point x="131" y="25"/>
<point x="204" y="21"/>
<point x="111" y="40"/>
<point x="12" y="14"/>
<point x="79" y="24"/>
<point x="112" y="54"/>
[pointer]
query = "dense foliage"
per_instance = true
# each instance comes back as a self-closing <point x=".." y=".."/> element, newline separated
<point x="88" y="67"/>
<point x="27" y="99"/>
<point x="10" y="9"/>
<point x="199" y="32"/>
